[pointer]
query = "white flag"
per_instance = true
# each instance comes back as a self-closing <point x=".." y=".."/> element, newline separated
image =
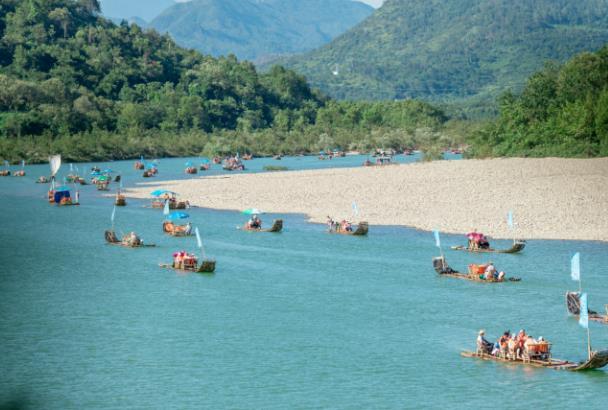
<point x="575" y="267"/>
<point x="198" y="238"/>
<point x="584" y="316"/>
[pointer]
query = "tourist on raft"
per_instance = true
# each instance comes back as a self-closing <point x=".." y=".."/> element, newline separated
<point x="487" y="272"/>
<point x="491" y="273"/>
<point x="254" y="222"/>
<point x="183" y="260"/>
<point x="346" y="226"/>
<point x="331" y="224"/>
<point x="477" y="240"/>
<point x="131" y="239"/>
<point x="335" y="226"/>
<point x="483" y="345"/>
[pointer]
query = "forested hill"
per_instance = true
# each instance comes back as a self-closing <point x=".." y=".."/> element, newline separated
<point x="453" y="50"/>
<point x="74" y="83"/>
<point x="563" y="111"/>
<point x="259" y="29"/>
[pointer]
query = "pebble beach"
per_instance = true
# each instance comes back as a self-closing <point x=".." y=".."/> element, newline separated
<point x="551" y="198"/>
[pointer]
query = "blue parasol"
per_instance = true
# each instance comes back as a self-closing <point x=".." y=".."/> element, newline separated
<point x="107" y="171"/>
<point x="205" y="160"/>
<point x="62" y="188"/>
<point x="160" y="192"/>
<point x="95" y="173"/>
<point x="188" y="164"/>
<point x="177" y="215"/>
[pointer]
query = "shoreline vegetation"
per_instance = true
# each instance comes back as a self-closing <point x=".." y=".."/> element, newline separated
<point x="75" y="84"/>
<point x="552" y="198"/>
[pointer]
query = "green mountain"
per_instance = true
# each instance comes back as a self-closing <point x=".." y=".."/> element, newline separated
<point x="562" y="111"/>
<point x="65" y="71"/>
<point x="452" y="50"/>
<point x="74" y="83"/>
<point x="259" y="29"/>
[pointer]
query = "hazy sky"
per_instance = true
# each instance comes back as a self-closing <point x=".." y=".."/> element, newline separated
<point x="375" y="3"/>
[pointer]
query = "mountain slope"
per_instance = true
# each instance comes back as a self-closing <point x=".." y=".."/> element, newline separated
<point x="562" y="111"/>
<point x="65" y="70"/>
<point x="453" y="49"/>
<point x="128" y="9"/>
<point x="258" y="30"/>
<point x="73" y="83"/>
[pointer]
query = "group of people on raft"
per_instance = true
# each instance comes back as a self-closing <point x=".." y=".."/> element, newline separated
<point x="477" y="240"/>
<point x="342" y="226"/>
<point x="487" y="272"/>
<point x="254" y="222"/>
<point x="173" y="203"/>
<point x="520" y="346"/>
<point x="131" y="239"/>
<point x="233" y="164"/>
<point x="184" y="261"/>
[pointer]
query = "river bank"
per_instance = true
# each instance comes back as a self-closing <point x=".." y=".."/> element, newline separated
<point x="551" y="198"/>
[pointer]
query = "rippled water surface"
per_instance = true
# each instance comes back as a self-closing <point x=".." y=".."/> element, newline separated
<point x="298" y="319"/>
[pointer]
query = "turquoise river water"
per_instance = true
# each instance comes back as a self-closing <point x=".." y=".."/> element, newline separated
<point x="300" y="319"/>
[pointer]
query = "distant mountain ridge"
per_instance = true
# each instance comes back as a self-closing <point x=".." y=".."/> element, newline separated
<point x="453" y="50"/>
<point x="259" y="29"/>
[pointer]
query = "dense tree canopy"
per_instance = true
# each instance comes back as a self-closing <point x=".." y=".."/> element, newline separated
<point x="75" y="83"/>
<point x="563" y="111"/>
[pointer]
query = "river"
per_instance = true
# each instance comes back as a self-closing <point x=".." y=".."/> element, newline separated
<point x="300" y="319"/>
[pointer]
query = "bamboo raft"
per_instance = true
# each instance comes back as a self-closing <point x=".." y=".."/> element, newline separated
<point x="597" y="361"/>
<point x="206" y="266"/>
<point x="160" y="204"/>
<point x="573" y="304"/>
<point x="120" y="200"/>
<point x="177" y="230"/>
<point x="518" y="246"/>
<point x="111" y="239"/>
<point x="277" y="226"/>
<point x="443" y="269"/>
<point x="362" y="230"/>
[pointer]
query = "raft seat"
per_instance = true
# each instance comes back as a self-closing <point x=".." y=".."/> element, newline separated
<point x="538" y="351"/>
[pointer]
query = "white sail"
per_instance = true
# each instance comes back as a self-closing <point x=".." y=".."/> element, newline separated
<point x="199" y="242"/>
<point x="55" y="162"/>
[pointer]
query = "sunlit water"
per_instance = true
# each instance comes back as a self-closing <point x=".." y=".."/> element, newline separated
<point x="299" y="319"/>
